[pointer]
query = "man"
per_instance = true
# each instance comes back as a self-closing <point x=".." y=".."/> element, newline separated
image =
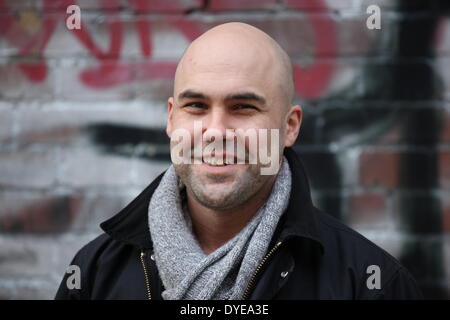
<point x="215" y="225"/>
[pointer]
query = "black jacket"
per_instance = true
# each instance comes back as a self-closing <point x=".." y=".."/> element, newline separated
<point x="313" y="256"/>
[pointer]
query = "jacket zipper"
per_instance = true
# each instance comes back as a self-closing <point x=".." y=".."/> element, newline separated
<point x="251" y="283"/>
<point x="147" y="279"/>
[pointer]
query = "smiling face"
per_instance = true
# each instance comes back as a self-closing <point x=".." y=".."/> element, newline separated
<point x="232" y="77"/>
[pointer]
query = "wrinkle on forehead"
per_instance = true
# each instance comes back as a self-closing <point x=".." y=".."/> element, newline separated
<point x="239" y="49"/>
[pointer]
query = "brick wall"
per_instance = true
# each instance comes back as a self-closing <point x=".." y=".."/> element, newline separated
<point x="82" y="116"/>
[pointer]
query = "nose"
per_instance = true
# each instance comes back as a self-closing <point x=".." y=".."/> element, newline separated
<point x="215" y="124"/>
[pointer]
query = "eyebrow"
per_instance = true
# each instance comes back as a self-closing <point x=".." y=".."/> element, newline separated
<point x="190" y="94"/>
<point x="244" y="95"/>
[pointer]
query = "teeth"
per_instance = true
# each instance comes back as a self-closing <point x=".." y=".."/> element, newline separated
<point x="213" y="161"/>
<point x="231" y="161"/>
<point x="219" y="162"/>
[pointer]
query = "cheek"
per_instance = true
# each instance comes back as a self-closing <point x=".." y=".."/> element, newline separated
<point x="265" y="121"/>
<point x="179" y="121"/>
<point x="186" y="134"/>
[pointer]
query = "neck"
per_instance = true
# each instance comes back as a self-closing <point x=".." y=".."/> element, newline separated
<point x="214" y="227"/>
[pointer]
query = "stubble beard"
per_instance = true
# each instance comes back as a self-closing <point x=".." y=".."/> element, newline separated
<point x="224" y="192"/>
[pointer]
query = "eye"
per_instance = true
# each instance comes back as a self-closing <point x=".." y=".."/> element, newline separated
<point x="196" y="105"/>
<point x="245" y="107"/>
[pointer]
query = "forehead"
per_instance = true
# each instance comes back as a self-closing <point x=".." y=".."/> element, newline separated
<point x="226" y="66"/>
<point x="221" y="83"/>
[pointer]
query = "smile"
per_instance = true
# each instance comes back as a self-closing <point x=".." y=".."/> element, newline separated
<point x="185" y="149"/>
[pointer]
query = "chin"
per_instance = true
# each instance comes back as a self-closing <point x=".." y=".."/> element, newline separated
<point x="216" y="196"/>
<point x="217" y="190"/>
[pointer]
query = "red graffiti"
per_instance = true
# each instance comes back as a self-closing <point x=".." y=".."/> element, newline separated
<point x="311" y="81"/>
<point x="54" y="215"/>
<point x="28" y="43"/>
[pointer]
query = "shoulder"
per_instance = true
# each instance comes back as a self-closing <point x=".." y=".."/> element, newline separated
<point x="359" y="258"/>
<point x="103" y="251"/>
<point x="350" y="244"/>
<point x="99" y="252"/>
<point x="99" y="243"/>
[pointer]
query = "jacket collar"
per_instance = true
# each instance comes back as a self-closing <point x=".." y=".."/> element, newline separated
<point x="300" y="218"/>
<point x="130" y="225"/>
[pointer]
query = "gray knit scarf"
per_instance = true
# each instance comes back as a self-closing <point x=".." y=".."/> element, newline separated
<point x="185" y="270"/>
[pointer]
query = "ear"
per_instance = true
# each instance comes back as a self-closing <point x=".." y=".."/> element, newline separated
<point x="169" y="116"/>
<point x="293" y="123"/>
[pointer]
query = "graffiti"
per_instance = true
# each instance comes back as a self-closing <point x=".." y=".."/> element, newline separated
<point x="401" y="81"/>
<point x="110" y="71"/>
<point x="420" y="171"/>
<point x="405" y="76"/>
<point x="311" y="81"/>
<point x="44" y="216"/>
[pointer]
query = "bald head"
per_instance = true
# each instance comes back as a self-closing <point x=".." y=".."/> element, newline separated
<point x="240" y="50"/>
<point x="232" y="78"/>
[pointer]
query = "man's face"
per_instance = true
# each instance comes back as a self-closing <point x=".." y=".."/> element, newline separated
<point x="231" y="91"/>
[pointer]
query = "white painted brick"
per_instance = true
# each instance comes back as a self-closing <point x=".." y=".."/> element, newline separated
<point x="35" y="169"/>
<point x="14" y="84"/>
<point x="88" y="168"/>
<point x="64" y="122"/>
